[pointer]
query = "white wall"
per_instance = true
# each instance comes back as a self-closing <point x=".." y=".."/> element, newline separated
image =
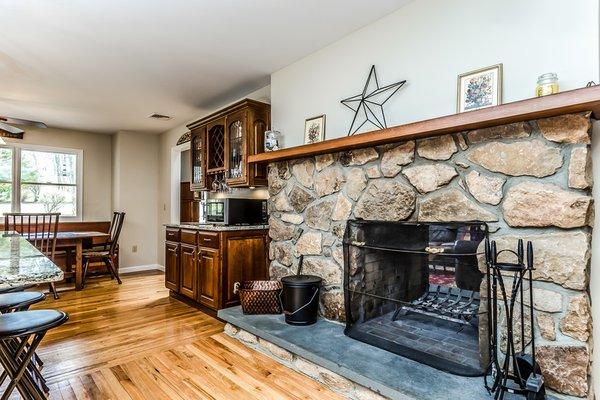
<point x="135" y="191"/>
<point x="168" y="141"/>
<point x="97" y="154"/>
<point x="430" y="42"/>
<point x="186" y="166"/>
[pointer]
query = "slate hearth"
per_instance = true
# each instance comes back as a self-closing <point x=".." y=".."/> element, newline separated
<point x="391" y="375"/>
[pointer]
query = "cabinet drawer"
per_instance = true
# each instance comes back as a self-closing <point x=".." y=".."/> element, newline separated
<point x="188" y="237"/>
<point x="208" y="239"/>
<point x="172" y="235"/>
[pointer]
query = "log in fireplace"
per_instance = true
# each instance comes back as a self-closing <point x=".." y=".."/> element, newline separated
<point x="414" y="289"/>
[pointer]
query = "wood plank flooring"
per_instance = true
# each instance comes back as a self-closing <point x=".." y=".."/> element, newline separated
<point x="132" y="342"/>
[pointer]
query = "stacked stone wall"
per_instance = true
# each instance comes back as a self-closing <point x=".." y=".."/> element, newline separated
<point x="529" y="180"/>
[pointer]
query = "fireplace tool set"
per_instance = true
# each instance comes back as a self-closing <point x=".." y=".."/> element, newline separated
<point x="513" y="371"/>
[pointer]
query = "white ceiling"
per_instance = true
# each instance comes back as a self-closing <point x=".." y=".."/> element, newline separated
<point x="105" y="65"/>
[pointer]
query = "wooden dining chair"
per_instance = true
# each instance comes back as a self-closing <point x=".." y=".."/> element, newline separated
<point x="39" y="229"/>
<point x="108" y="251"/>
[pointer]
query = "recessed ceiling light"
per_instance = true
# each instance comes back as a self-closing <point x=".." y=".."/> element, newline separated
<point x="160" y="116"/>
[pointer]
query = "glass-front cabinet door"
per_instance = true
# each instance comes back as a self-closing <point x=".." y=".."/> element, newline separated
<point x="197" y="145"/>
<point x="224" y="141"/>
<point x="215" y="146"/>
<point x="236" y="148"/>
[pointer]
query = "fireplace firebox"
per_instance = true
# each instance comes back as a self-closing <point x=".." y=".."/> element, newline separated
<point x="414" y="289"/>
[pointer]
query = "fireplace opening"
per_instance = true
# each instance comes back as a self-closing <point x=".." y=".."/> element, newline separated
<point x="414" y="289"/>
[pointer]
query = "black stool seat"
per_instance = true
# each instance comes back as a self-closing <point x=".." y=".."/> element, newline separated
<point x="9" y="301"/>
<point x="23" y="323"/>
<point x="16" y="289"/>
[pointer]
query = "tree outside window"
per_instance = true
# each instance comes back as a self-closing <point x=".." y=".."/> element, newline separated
<point x="46" y="181"/>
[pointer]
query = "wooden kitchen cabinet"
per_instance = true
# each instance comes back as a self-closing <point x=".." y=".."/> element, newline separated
<point x="172" y="265"/>
<point x="231" y="135"/>
<point x="208" y="275"/>
<point x="188" y="271"/>
<point x="210" y="263"/>
<point x="198" y="157"/>
<point x="248" y="249"/>
<point x="189" y="205"/>
<point x="235" y="150"/>
<point x="215" y="146"/>
<point x="259" y="121"/>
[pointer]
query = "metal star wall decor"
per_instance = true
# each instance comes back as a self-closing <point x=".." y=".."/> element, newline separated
<point x="368" y="105"/>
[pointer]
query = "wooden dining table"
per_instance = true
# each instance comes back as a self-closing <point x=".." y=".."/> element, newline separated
<point x="77" y="240"/>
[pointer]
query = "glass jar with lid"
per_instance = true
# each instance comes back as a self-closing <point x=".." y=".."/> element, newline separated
<point x="547" y="84"/>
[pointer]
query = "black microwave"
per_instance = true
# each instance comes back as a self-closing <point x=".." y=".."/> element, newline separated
<point x="235" y="211"/>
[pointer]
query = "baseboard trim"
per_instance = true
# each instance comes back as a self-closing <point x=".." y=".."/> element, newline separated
<point x="139" y="268"/>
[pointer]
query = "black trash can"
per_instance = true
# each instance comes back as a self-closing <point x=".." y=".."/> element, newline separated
<point x="300" y="299"/>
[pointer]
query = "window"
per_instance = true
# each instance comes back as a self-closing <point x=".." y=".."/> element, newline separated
<point x="6" y="181"/>
<point x="38" y="179"/>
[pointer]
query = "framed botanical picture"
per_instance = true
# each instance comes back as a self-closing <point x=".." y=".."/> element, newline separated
<point x="480" y="89"/>
<point x="314" y="129"/>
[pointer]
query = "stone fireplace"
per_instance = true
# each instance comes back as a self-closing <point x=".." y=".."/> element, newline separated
<point x="414" y="289"/>
<point x="529" y="180"/>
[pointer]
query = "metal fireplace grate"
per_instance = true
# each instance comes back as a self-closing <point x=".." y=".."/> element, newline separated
<point x="452" y="304"/>
<point x="414" y="289"/>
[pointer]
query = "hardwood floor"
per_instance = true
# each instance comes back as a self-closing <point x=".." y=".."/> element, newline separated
<point x="132" y="341"/>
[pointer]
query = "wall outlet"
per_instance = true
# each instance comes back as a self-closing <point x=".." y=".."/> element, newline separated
<point x="134" y="248"/>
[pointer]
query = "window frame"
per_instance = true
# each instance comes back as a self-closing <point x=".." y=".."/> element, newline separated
<point x="17" y="148"/>
<point x="12" y="177"/>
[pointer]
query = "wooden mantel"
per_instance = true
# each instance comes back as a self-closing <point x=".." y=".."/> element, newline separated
<point x="573" y="101"/>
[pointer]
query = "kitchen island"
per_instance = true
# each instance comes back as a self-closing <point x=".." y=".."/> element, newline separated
<point x="22" y="264"/>
<point x="203" y="262"/>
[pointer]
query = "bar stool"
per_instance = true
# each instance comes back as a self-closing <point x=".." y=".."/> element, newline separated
<point x="16" y="289"/>
<point x="19" y="301"/>
<point x="20" y="334"/>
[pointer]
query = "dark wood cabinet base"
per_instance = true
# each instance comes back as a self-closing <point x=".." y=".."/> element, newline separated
<point x="203" y="266"/>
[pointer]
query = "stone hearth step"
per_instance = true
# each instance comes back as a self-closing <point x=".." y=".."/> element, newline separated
<point x="325" y="345"/>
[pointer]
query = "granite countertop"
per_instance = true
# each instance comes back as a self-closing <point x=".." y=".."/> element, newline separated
<point x="22" y="264"/>
<point x="216" y="228"/>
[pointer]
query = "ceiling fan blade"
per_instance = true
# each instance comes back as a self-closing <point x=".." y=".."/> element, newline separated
<point x="19" y="121"/>
<point x="10" y="129"/>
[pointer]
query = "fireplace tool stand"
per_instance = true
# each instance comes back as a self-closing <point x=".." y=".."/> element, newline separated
<point x="517" y="372"/>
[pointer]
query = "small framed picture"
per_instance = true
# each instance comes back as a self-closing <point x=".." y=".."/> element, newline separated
<point x="480" y="89"/>
<point x="314" y="129"/>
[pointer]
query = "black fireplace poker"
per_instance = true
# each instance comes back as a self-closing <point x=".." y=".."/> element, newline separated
<point x="518" y="372"/>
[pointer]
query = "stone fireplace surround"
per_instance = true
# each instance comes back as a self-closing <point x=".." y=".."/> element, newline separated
<point x="529" y="179"/>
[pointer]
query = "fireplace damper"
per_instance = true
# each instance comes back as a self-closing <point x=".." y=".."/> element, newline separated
<point x="414" y="289"/>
